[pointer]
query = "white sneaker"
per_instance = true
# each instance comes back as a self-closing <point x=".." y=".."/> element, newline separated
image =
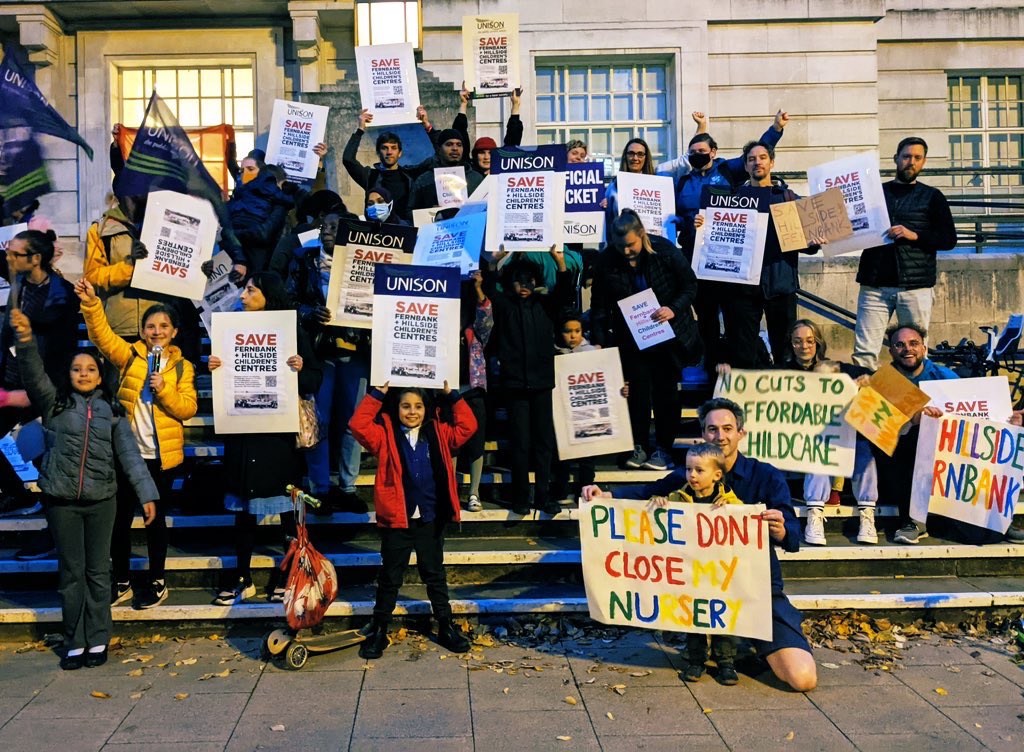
<point x="473" y="504"/>
<point x="814" y="533"/>
<point x="867" y="532"/>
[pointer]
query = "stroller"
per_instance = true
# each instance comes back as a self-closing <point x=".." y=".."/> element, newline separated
<point x="312" y="587"/>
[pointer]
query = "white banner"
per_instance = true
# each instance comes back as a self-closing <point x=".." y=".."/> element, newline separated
<point x="591" y="415"/>
<point x="490" y="54"/>
<point x="729" y="246"/>
<point x="859" y="180"/>
<point x="388" y="85"/>
<point x="179" y="231"/>
<point x="296" y="127"/>
<point x="637" y="310"/>
<point x="525" y="211"/>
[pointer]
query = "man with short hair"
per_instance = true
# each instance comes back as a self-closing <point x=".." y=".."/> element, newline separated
<point x="754" y="482"/>
<point x="898" y="277"/>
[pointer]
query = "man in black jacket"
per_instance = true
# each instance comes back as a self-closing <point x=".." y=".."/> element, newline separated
<point x="899" y="276"/>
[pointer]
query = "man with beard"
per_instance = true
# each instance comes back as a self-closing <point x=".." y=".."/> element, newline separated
<point x="899" y="275"/>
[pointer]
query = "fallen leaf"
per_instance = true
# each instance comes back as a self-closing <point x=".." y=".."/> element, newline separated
<point x="569" y="700"/>
<point x="136" y="695"/>
<point x="609" y="716"/>
<point x="213" y="637"/>
<point x="158" y="638"/>
<point x="172" y="673"/>
<point x="977" y="725"/>
<point x="707" y="711"/>
<point x="277" y="727"/>
<point x="99" y="695"/>
<point x="789" y="736"/>
<point x="135" y="672"/>
<point x="941" y="691"/>
<point x="145" y="658"/>
<point x="181" y="696"/>
<point x="401" y="634"/>
<point x="828" y="665"/>
<point x="639" y="674"/>
<point x="186" y="662"/>
<point x="619" y="689"/>
<point x="162" y="665"/>
<point x="564" y="738"/>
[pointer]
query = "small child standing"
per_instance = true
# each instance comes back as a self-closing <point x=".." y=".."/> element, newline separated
<point x="571" y="341"/>
<point x="705" y="467"/>
<point x="415" y="496"/>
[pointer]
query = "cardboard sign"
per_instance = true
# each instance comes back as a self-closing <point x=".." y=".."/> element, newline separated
<point x="490" y="54"/>
<point x="969" y="470"/>
<point x="453" y="242"/>
<point x="524" y="212"/>
<point x="681" y="568"/>
<point x="652" y="197"/>
<point x="987" y="397"/>
<point x="801" y="222"/>
<point x="794" y="419"/>
<point x="858" y="178"/>
<point x="388" y="85"/>
<point x="729" y="246"/>
<point x="296" y="127"/>
<point x="591" y="415"/>
<point x="180" y="232"/>
<point x="584" y="191"/>
<point x="879" y="411"/>
<point x="254" y="390"/>
<point x="637" y="310"/>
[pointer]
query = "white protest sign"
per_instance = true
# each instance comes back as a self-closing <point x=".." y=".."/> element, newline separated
<point x="652" y="197"/>
<point x="986" y="397"/>
<point x="490" y="54"/>
<point x="424" y="217"/>
<point x="859" y="180"/>
<point x="388" y="84"/>
<point x="525" y="211"/>
<point x="584" y="191"/>
<point x="637" y="309"/>
<point x="179" y="231"/>
<point x="591" y="415"/>
<point x="221" y="294"/>
<point x="451" y="186"/>
<point x="6" y="235"/>
<point x="681" y="568"/>
<point x="453" y="242"/>
<point x="295" y="128"/>
<point x="729" y="245"/>
<point x="254" y="390"/>
<point x="415" y="326"/>
<point x="794" y="419"/>
<point x="969" y="470"/>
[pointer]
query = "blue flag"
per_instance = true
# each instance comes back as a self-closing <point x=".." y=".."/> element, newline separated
<point x="23" y="176"/>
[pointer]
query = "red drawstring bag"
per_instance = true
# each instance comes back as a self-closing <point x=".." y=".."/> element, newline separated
<point x="312" y="583"/>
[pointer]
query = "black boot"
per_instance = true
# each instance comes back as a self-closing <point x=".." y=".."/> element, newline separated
<point x="448" y="636"/>
<point x="376" y="633"/>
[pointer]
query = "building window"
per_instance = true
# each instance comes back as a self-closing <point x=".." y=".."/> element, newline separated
<point x="388" y="22"/>
<point x="604" y="105"/>
<point x="199" y="98"/>
<point x="986" y="129"/>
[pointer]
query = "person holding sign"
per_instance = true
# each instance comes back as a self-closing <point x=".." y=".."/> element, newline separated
<point x="451" y="152"/>
<point x="636" y="261"/>
<point x="788" y="653"/>
<point x="636" y="158"/>
<point x="415" y="495"/>
<point x="482" y="147"/>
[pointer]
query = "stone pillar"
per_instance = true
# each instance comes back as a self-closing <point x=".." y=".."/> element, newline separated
<point x="308" y="42"/>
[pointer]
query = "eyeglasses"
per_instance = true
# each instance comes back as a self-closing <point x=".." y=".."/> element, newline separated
<point x="636" y="154"/>
<point x="912" y="345"/>
<point x="19" y="255"/>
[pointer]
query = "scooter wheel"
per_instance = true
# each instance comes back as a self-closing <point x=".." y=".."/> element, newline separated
<point x="295" y="656"/>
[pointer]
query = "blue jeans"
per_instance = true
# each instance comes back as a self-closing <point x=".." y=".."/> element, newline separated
<point x="875" y="306"/>
<point x="342" y="389"/>
<point x="865" y="480"/>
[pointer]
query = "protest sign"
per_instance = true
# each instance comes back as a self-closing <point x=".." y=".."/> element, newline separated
<point x="968" y="469"/>
<point x="681" y="568"/>
<point x="652" y="197"/>
<point x="547" y="158"/>
<point x="986" y="397"/>
<point x="6" y="235"/>
<point x="424" y="217"/>
<point x="591" y="415"/>
<point x="524" y="211"/>
<point x="221" y="294"/>
<point x="584" y="191"/>
<point x="729" y="246"/>
<point x="637" y="310"/>
<point x="180" y="232"/>
<point x="26" y="471"/>
<point x="794" y="419"/>
<point x="858" y="178"/>
<point x="295" y="128"/>
<point x="880" y="410"/>
<point x="415" y="326"/>
<point x="452" y="188"/>
<point x="453" y="242"/>
<point x="490" y="54"/>
<point x="350" y="288"/>
<point x="806" y="220"/>
<point x="388" y="85"/>
<point x="254" y="390"/>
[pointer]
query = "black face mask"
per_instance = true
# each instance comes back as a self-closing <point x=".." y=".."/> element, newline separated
<point x="699" y="160"/>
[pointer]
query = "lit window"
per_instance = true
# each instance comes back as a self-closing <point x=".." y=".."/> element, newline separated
<point x="388" y="22"/>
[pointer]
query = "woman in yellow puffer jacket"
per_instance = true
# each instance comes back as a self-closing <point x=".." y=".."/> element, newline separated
<point x="157" y="403"/>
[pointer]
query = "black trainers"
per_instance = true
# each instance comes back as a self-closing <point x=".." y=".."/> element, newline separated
<point x="693" y="672"/>
<point x="72" y="662"/>
<point x="121" y="592"/>
<point x="230" y="596"/>
<point x="20" y="506"/>
<point x="448" y="636"/>
<point x="376" y="633"/>
<point x="727" y="675"/>
<point x="92" y="660"/>
<point x="152" y="596"/>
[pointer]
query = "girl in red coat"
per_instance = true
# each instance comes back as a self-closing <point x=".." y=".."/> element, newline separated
<point x="415" y="496"/>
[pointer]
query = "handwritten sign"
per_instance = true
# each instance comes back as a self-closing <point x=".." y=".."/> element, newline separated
<point x="794" y="420"/>
<point x="823" y="215"/>
<point x="637" y="310"/>
<point x="682" y="568"/>
<point x="968" y="469"/>
<point x="880" y="410"/>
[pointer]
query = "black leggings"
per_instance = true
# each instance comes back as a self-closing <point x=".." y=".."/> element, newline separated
<point x="653" y="377"/>
<point x="245" y="540"/>
<point x="156" y="531"/>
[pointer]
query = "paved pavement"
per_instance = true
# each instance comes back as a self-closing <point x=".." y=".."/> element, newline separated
<point x="203" y="694"/>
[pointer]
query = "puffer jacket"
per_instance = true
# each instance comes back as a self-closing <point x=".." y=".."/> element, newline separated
<point x="83" y="441"/>
<point x="172" y="405"/>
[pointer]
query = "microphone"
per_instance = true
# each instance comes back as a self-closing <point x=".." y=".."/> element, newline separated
<point x="154" y="358"/>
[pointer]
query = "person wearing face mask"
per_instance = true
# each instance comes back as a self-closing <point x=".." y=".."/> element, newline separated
<point x="451" y="152"/>
<point x="380" y="207"/>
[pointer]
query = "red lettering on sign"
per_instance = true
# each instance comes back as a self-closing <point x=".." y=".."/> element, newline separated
<point x="736" y="217"/>
<point x="256" y="339"/>
<point x="838" y="180"/>
<point x="375" y="256"/>
<point x="174" y="271"/>
<point x="298" y="125"/>
<point x="587" y="378"/>
<point x="430" y="309"/>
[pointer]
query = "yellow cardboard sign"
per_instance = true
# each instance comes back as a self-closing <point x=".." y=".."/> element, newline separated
<point x="880" y="410"/>
<point x="822" y="215"/>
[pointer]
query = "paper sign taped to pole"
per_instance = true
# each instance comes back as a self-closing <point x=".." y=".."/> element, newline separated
<point x="591" y="415"/>
<point x="179" y="231"/>
<point x="388" y="85"/>
<point x="295" y="128"/>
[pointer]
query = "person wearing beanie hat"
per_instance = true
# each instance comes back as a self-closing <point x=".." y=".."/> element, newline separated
<point x="451" y="152"/>
<point x="482" y="154"/>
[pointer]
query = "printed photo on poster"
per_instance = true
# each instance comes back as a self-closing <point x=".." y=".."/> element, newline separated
<point x="490" y="54"/>
<point x="525" y="211"/>
<point x="296" y="127"/>
<point x="729" y="246"/>
<point x="221" y="294"/>
<point x="591" y="415"/>
<point x="637" y="310"/>
<point x="652" y="197"/>
<point x="180" y="232"/>
<point x="388" y="83"/>
<point x="858" y="178"/>
<point x="454" y="242"/>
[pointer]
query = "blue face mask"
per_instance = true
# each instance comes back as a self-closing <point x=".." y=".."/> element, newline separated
<point x="378" y="212"/>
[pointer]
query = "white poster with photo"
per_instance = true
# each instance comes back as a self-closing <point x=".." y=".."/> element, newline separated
<point x="415" y="326"/>
<point x="525" y="211"/>
<point x="6" y="235"/>
<point x="637" y="310"/>
<point x="986" y="397"/>
<point x="221" y="294"/>
<point x="490" y="54"/>
<point x="295" y="128"/>
<point x="388" y="86"/>
<point x="454" y="242"/>
<point x="452" y="188"/>
<point x="180" y="232"/>
<point x="652" y="197"/>
<point x="254" y="390"/>
<point x="859" y="179"/>
<point x="591" y="415"/>
<point x="729" y="246"/>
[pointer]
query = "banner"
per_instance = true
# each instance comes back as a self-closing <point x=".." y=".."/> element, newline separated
<point x="858" y="178"/>
<point x="451" y="186"/>
<point x="653" y="197"/>
<point x="880" y="410"/>
<point x="23" y="175"/>
<point x="453" y="242"/>
<point x="986" y="397"/>
<point x="591" y="415"/>
<point x="415" y="326"/>
<point x="969" y="470"/>
<point x="220" y="295"/>
<point x="296" y="127"/>
<point x="223" y="135"/>
<point x="547" y="158"/>
<point x="525" y="211"/>
<point x="180" y="232"/>
<point x="584" y="192"/>
<point x="681" y="568"/>
<point x="350" y="288"/>
<point x="254" y="390"/>
<point x="729" y="246"/>
<point x="637" y="310"/>
<point x="823" y="215"/>
<point x="388" y="83"/>
<point x="490" y="54"/>
<point x="794" y="419"/>
<point x="6" y="235"/>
